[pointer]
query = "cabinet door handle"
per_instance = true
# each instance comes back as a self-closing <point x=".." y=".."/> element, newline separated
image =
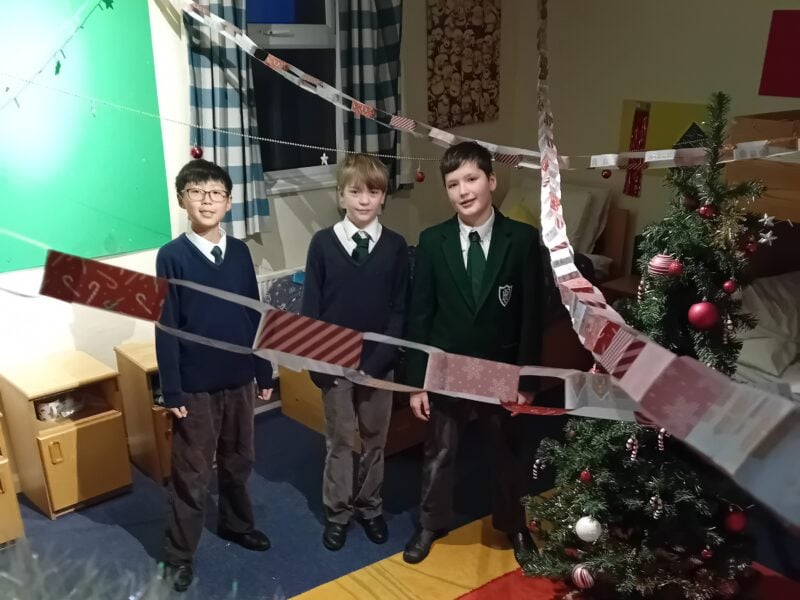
<point x="56" y="456"/>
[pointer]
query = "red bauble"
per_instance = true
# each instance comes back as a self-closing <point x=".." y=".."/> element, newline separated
<point x="730" y="286"/>
<point x="735" y="521"/>
<point x="420" y="176"/>
<point x="751" y="247"/>
<point x="660" y="264"/>
<point x="586" y="476"/>
<point x="197" y="152"/>
<point x="703" y="315"/>
<point x="533" y="527"/>
<point x="707" y="211"/>
<point x="706" y="553"/>
<point x="606" y="173"/>
<point x="675" y="268"/>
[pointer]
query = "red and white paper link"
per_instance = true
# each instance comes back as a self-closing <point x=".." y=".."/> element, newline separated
<point x="297" y="336"/>
<point x="75" y="279"/>
<point x="752" y="435"/>
<point x="471" y="378"/>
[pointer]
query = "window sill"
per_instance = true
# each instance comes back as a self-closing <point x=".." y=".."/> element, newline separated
<point x="300" y="180"/>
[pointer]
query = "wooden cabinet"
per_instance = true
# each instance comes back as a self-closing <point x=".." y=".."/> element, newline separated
<point x="301" y="401"/>
<point x="149" y="426"/>
<point x="10" y="518"/>
<point x="69" y="461"/>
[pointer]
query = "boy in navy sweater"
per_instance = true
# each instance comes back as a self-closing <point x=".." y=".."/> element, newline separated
<point x="356" y="276"/>
<point x="210" y="392"/>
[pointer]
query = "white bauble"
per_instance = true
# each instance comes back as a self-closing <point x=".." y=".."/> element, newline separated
<point x="588" y="529"/>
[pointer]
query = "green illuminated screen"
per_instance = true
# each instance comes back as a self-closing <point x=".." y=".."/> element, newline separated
<point x="76" y="175"/>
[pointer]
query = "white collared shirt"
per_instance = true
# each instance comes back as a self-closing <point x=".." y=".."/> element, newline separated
<point x="485" y="231"/>
<point x="205" y="246"/>
<point x="345" y="230"/>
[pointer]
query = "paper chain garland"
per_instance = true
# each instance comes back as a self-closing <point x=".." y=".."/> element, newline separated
<point x="510" y="155"/>
<point x="752" y="435"/>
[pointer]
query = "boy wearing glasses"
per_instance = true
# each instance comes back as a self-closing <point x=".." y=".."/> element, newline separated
<point x="356" y="276"/>
<point x="210" y="392"/>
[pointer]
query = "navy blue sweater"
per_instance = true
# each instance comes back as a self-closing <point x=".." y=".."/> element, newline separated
<point x="190" y="367"/>
<point x="370" y="296"/>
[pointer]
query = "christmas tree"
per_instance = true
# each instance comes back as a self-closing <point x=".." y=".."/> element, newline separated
<point x="635" y="513"/>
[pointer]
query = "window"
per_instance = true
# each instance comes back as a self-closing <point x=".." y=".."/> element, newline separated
<point x="303" y="33"/>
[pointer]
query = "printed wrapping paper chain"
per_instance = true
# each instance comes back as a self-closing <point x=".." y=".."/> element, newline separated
<point x="283" y="336"/>
<point x="298" y="342"/>
<point x="510" y="155"/>
<point x="750" y="434"/>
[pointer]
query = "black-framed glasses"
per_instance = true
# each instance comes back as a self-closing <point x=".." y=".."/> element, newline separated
<point x="198" y="195"/>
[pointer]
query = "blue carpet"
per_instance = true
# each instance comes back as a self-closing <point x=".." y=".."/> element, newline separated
<point x="126" y="532"/>
<point x="285" y="487"/>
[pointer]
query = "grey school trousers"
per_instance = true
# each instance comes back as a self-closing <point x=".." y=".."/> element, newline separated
<point x="220" y="422"/>
<point x="352" y="413"/>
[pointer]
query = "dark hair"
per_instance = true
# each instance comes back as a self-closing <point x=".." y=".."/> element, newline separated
<point x="457" y="155"/>
<point x="200" y="171"/>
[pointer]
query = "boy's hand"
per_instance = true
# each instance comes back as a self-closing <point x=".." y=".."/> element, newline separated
<point x="179" y="412"/>
<point x="265" y="394"/>
<point x="420" y="406"/>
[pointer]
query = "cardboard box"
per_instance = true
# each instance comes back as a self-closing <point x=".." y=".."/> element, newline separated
<point x="765" y="126"/>
<point x="782" y="178"/>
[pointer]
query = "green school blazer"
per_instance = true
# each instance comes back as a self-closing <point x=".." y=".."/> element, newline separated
<point x="505" y="324"/>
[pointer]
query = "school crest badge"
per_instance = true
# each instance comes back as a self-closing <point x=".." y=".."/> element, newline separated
<point x="504" y="294"/>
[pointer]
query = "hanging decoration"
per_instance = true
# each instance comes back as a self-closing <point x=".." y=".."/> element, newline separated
<point x="633" y="178"/>
<point x="463" y="62"/>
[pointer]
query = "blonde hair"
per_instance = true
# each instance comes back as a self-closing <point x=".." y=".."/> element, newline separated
<point x="362" y="169"/>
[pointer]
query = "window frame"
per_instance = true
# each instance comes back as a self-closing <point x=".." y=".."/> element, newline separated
<point x="280" y="36"/>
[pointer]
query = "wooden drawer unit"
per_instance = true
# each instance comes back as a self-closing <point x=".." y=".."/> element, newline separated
<point x="10" y="519"/>
<point x="72" y="459"/>
<point x="74" y="469"/>
<point x="149" y="426"/>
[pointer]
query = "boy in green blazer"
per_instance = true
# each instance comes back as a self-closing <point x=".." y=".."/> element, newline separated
<point x="478" y="291"/>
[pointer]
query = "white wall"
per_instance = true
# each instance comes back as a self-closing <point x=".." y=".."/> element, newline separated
<point x="602" y="53"/>
<point x="35" y="328"/>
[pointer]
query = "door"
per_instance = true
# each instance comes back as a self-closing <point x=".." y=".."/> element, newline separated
<point x="84" y="459"/>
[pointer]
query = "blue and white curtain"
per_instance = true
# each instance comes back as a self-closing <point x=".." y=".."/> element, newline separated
<point x="369" y="38"/>
<point x="221" y="98"/>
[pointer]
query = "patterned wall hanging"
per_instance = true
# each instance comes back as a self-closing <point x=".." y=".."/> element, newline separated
<point x="463" y="61"/>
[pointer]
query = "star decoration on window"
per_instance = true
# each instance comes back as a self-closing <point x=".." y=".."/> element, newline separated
<point x="767" y="221"/>
<point x="324" y="159"/>
<point x="767" y="238"/>
<point x="107" y="3"/>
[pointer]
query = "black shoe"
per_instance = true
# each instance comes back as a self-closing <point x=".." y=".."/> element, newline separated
<point x="420" y="544"/>
<point x="180" y="575"/>
<point x="376" y="529"/>
<point x="523" y="546"/>
<point x="334" y="536"/>
<point x="252" y="540"/>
